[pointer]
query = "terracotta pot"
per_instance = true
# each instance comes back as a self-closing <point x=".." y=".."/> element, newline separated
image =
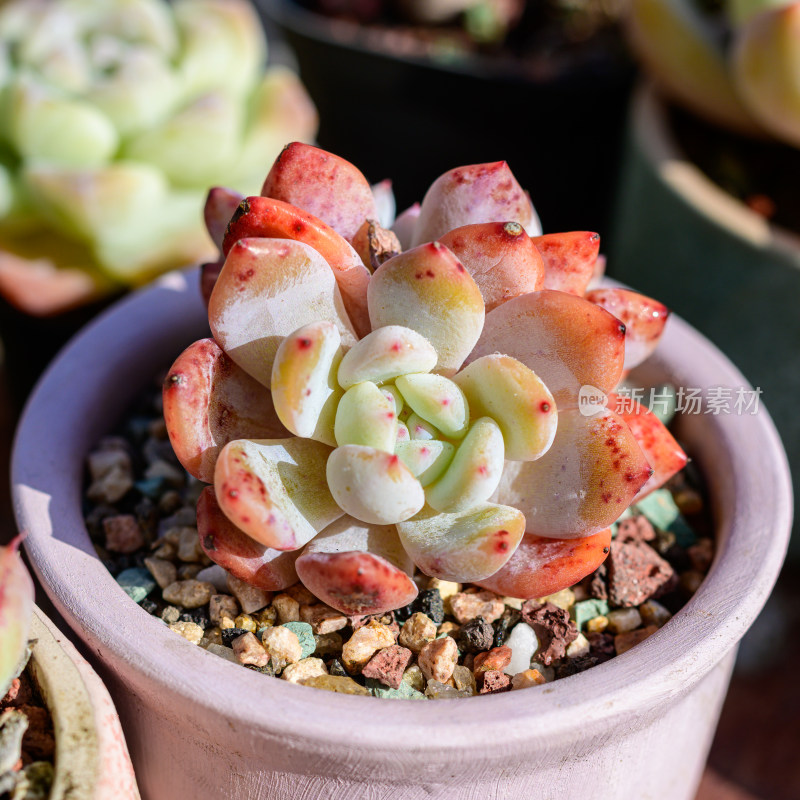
<point x="92" y="761"/>
<point x="681" y="238"/>
<point x="639" y="725"/>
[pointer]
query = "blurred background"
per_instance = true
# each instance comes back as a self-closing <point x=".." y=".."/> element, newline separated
<point x="671" y="127"/>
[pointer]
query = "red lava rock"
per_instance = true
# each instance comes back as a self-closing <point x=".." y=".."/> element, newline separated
<point x="636" y="573"/>
<point x="123" y="534"/>
<point x="498" y="658"/>
<point x="635" y="529"/>
<point x="494" y="681"/>
<point x="598" y="588"/>
<point x="388" y="665"/>
<point x="553" y="628"/>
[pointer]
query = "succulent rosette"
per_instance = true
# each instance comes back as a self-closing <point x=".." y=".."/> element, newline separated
<point x="115" y="117"/>
<point x="363" y="409"/>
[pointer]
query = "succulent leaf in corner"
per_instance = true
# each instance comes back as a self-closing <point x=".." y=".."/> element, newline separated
<point x="16" y="608"/>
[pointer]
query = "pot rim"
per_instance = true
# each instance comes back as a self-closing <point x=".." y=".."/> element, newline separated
<point x="653" y="137"/>
<point x="753" y="528"/>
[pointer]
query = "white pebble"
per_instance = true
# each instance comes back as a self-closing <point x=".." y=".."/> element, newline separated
<point x="523" y="644"/>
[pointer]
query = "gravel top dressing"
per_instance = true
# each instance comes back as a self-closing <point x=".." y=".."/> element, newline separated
<point x="454" y="640"/>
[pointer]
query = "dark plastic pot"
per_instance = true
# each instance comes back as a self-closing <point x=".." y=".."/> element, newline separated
<point x="410" y="118"/>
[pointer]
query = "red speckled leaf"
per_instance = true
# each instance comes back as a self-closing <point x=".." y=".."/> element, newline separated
<point x="323" y="185"/>
<point x="265" y="217"/>
<point x="663" y="453"/>
<point x="643" y="317"/>
<point x="569" y="259"/>
<point x="582" y="484"/>
<point x="566" y="340"/>
<point x="542" y="566"/>
<point x="501" y="258"/>
<point x="231" y="548"/>
<point x="210" y="401"/>
<point x="473" y="194"/>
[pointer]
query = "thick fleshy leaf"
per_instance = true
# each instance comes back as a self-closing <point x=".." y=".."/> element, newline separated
<point x="366" y="416"/>
<point x="566" y="340"/>
<point x="208" y="278"/>
<point x="243" y="557"/>
<point x="304" y="388"/>
<point x="221" y="203"/>
<point x="500" y="256"/>
<point x="210" y="401"/>
<point x="275" y="490"/>
<point x="569" y="259"/>
<point x="643" y="317"/>
<point x="474" y="473"/>
<point x="582" y="484"/>
<point x="467" y="546"/>
<point x="268" y="289"/>
<point x="385" y="202"/>
<point x="385" y="354"/>
<point x="429" y="290"/>
<point x="438" y="400"/>
<point x="358" y="568"/>
<point x="474" y="194"/>
<point x="404" y="225"/>
<point x="16" y="608"/>
<point x="427" y="460"/>
<point x="373" y="486"/>
<point x="504" y="389"/>
<point x="323" y="184"/>
<point x="663" y="453"/>
<point x="542" y="566"/>
<point x="268" y="218"/>
<point x="418" y="428"/>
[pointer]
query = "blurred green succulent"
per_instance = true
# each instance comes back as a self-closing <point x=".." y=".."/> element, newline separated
<point x="737" y="65"/>
<point x="116" y="116"/>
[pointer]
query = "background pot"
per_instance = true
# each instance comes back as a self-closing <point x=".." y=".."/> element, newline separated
<point x="679" y="237"/>
<point x="203" y="728"/>
<point x="92" y="761"/>
<point x="405" y="117"/>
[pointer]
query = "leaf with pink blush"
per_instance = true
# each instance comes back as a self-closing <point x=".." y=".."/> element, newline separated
<point x="542" y="566"/>
<point x="16" y="610"/>
<point x="325" y="185"/>
<point x="663" y="453"/>
<point x="218" y="210"/>
<point x="404" y="225"/>
<point x="428" y="290"/>
<point x="275" y="490"/>
<point x="569" y="259"/>
<point x="267" y="218"/>
<point x="582" y="484"/>
<point x="501" y="258"/>
<point x="643" y="317"/>
<point x="566" y="340"/>
<point x="243" y="557"/>
<point x="473" y="194"/>
<point x="210" y="401"/>
<point x="358" y="568"/>
<point x="268" y="289"/>
<point x="208" y="278"/>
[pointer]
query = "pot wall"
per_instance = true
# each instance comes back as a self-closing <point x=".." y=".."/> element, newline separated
<point x="203" y="728"/>
<point x="681" y="239"/>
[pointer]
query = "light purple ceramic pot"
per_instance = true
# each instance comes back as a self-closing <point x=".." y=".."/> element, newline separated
<point x="199" y="727"/>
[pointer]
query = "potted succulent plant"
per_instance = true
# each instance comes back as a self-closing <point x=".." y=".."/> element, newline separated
<point x="308" y="269"/>
<point x="116" y="118"/>
<point x="61" y="737"/>
<point x="544" y="75"/>
<point x="709" y="168"/>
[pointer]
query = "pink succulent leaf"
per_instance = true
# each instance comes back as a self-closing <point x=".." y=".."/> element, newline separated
<point x="241" y="556"/>
<point x="210" y="401"/>
<point x="267" y="289"/>
<point x="566" y="340"/>
<point x="208" y="278"/>
<point x="404" y="225"/>
<point x="325" y="185"/>
<point x="569" y="260"/>
<point x="383" y="194"/>
<point x="218" y="210"/>
<point x="587" y="478"/>
<point x="473" y="194"/>
<point x="501" y="258"/>
<point x="16" y="609"/>
<point x="643" y="317"/>
<point x="542" y="566"/>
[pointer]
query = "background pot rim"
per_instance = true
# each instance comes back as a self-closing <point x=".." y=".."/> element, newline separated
<point x="654" y="138"/>
<point x="753" y="530"/>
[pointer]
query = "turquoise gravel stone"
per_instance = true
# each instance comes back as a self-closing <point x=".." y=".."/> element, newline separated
<point x="136" y="582"/>
<point x="585" y="610"/>
<point x="405" y="692"/>
<point x="303" y="631"/>
<point x="660" y="508"/>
